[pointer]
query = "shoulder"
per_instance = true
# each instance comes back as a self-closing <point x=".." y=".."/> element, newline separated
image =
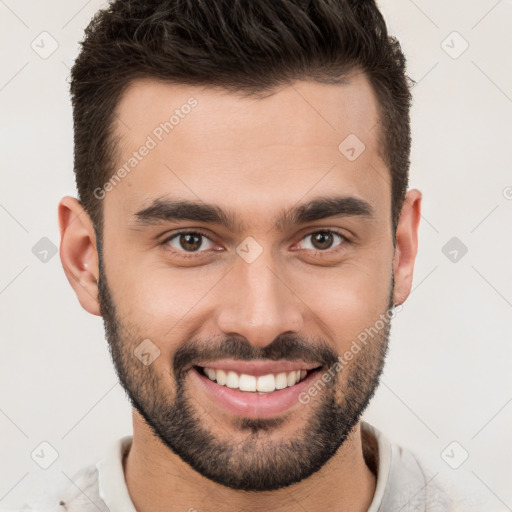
<point x="80" y="493"/>
<point x="410" y="482"/>
<point x="421" y="484"/>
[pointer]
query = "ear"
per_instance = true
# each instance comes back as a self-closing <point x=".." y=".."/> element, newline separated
<point x="78" y="253"/>
<point x="406" y="245"/>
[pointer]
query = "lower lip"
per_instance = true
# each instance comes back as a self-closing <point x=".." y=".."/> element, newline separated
<point x="253" y="404"/>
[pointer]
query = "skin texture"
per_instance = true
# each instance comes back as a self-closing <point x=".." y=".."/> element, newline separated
<point x="255" y="157"/>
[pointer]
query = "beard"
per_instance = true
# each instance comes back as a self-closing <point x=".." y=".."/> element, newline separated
<point x="257" y="463"/>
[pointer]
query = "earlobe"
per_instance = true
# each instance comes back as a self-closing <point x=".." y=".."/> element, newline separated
<point x="78" y="252"/>
<point x="406" y="245"/>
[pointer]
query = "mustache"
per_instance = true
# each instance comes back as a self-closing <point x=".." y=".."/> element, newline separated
<point x="287" y="346"/>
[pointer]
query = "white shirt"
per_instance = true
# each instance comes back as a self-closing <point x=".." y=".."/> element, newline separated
<point x="403" y="483"/>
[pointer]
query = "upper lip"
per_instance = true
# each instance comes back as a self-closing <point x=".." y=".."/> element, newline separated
<point x="258" y="368"/>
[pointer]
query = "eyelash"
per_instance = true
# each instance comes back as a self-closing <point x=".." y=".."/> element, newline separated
<point x="185" y="255"/>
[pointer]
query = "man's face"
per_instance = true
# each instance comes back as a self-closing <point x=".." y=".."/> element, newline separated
<point x="267" y="294"/>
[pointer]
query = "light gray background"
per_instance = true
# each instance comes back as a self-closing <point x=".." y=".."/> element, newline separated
<point x="448" y="373"/>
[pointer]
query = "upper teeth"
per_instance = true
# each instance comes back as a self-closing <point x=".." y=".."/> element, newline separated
<point x="264" y="383"/>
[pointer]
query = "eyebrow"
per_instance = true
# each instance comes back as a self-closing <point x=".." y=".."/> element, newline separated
<point x="168" y="210"/>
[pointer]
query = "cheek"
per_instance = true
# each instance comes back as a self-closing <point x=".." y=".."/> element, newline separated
<point x="161" y="303"/>
<point x="346" y="300"/>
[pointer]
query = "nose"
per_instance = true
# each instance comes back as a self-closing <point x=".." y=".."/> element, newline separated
<point x="258" y="303"/>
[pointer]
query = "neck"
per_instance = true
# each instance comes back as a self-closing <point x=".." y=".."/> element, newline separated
<point x="158" y="480"/>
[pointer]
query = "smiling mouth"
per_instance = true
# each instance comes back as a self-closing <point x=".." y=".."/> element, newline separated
<point x="261" y="384"/>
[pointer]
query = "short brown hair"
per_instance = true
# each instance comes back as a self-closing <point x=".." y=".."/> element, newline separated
<point x="248" y="47"/>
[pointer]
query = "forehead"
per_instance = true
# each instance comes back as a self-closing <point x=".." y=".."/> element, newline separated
<point x="248" y="153"/>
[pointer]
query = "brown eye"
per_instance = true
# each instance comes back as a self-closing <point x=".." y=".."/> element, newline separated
<point x="323" y="240"/>
<point x="188" y="241"/>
